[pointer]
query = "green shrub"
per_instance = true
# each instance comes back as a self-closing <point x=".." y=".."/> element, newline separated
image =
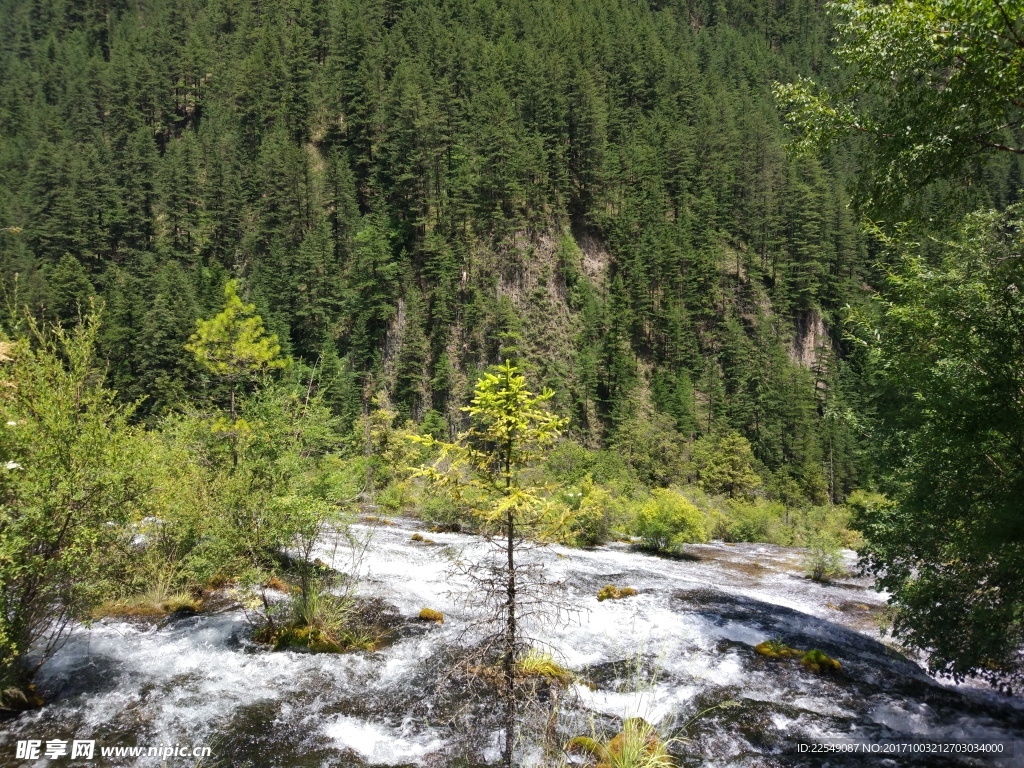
<point x="650" y="445"/>
<point x="440" y="512"/>
<point x="757" y="520"/>
<point x="669" y="520"/>
<point x="593" y="509"/>
<point x="824" y="560"/>
<point x="395" y="498"/>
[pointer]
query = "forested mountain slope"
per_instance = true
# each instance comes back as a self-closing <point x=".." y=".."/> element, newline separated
<point x="412" y="191"/>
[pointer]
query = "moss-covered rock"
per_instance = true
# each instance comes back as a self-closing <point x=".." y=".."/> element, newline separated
<point x="611" y="592"/>
<point x="776" y="649"/>
<point x="429" y="614"/>
<point x="306" y="638"/>
<point x="149" y="606"/>
<point x="819" y="661"/>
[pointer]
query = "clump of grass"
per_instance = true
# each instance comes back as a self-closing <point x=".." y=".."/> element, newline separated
<point x="15" y="699"/>
<point x="611" y="592"/>
<point x="637" y="745"/>
<point x="320" y="622"/>
<point x="159" y="600"/>
<point x="537" y="664"/>
<point x="429" y="614"/>
<point x="776" y="649"/>
<point x="819" y="661"/>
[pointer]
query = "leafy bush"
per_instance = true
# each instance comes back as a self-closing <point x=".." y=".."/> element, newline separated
<point x="593" y="510"/>
<point x="824" y="560"/>
<point x="72" y="477"/>
<point x="442" y="513"/>
<point x="396" y="498"/>
<point x="669" y="520"/>
<point x="758" y="520"/>
<point x="652" y="448"/>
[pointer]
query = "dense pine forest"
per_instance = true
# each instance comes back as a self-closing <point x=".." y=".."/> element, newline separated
<point x="410" y="192"/>
<point x="742" y="270"/>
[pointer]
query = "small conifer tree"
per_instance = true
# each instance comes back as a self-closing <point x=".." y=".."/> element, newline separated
<point x="233" y="344"/>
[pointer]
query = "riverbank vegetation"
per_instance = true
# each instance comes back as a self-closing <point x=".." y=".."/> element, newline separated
<point x="104" y="517"/>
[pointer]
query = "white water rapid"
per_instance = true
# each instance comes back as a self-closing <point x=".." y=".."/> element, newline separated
<point x="682" y="645"/>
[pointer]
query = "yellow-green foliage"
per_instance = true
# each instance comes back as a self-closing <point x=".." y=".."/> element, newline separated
<point x="591" y="510"/>
<point x="396" y="497"/>
<point x="233" y="344"/>
<point x="429" y="614"/>
<point x="763" y="520"/>
<point x="611" y="592"/>
<point x="725" y="465"/>
<point x="669" y="520"/>
<point x="818" y="661"/>
<point x="541" y="665"/>
<point x="776" y="649"/>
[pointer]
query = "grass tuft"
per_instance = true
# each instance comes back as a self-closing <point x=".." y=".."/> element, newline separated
<point x="541" y="665"/>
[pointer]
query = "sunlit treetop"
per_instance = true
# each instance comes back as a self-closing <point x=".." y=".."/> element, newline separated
<point x="233" y="343"/>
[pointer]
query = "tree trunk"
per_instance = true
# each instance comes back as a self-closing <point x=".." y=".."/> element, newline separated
<point x="510" y="645"/>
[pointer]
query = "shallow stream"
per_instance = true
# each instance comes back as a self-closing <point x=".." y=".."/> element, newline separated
<point x="682" y="645"/>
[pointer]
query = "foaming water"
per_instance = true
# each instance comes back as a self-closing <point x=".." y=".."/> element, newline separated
<point x="682" y="645"/>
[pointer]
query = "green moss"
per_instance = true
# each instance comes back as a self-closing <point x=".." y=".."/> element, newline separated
<point x="307" y="638"/>
<point x="149" y="606"/>
<point x="304" y="637"/>
<point x="429" y="614"/>
<point x="611" y="592"/>
<point x="818" y="661"/>
<point x="776" y="649"/>
<point x="584" y="745"/>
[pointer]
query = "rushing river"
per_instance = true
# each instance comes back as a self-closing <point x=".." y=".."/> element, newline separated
<point x="682" y="645"/>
